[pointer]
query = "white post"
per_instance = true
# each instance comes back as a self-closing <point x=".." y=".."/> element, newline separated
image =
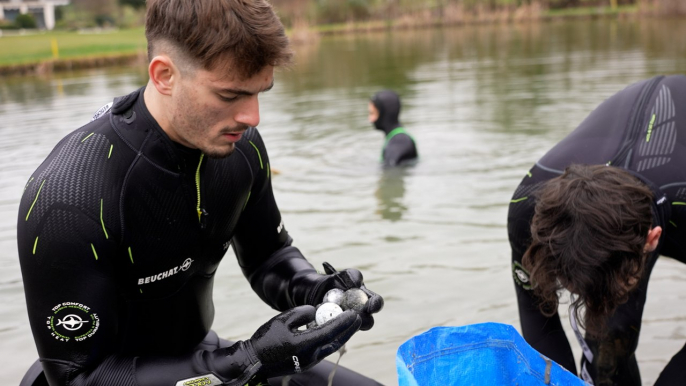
<point x="49" y="15"/>
<point x="2" y="13"/>
<point x="23" y="9"/>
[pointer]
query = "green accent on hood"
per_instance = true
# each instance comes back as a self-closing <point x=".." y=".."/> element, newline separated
<point x="678" y="203"/>
<point x="393" y="133"/>
<point x="130" y="255"/>
<point x="110" y="153"/>
<point x="518" y="200"/>
<point x="35" y="244"/>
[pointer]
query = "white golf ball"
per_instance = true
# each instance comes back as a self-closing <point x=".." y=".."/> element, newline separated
<point x="333" y="296"/>
<point x="326" y="312"/>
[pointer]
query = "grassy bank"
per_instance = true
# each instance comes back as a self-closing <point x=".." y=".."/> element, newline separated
<point x="45" y="51"/>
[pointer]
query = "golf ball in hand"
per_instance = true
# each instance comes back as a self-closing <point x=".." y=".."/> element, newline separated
<point x="354" y="299"/>
<point x="326" y="312"/>
<point x="334" y="296"/>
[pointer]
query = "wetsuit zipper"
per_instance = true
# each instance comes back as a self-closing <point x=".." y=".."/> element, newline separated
<point x="202" y="213"/>
<point x="635" y="122"/>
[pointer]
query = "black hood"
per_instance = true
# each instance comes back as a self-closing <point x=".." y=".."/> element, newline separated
<point x="388" y="104"/>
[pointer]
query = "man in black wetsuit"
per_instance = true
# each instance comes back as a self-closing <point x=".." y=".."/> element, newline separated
<point x="592" y="216"/>
<point x="122" y="227"/>
<point x="384" y="111"/>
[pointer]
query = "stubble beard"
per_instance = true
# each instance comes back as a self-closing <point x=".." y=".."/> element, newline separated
<point x="217" y="154"/>
<point x="194" y="135"/>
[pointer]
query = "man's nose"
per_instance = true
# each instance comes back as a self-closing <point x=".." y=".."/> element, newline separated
<point x="249" y="113"/>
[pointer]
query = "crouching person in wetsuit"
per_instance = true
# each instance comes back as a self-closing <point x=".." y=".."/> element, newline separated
<point x="591" y="217"/>
<point x="384" y="111"/>
<point x="122" y="227"/>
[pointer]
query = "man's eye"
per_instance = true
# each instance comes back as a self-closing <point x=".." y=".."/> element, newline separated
<point x="228" y="99"/>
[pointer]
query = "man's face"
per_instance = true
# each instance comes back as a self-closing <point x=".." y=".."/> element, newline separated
<point x="210" y="111"/>
<point x="373" y="112"/>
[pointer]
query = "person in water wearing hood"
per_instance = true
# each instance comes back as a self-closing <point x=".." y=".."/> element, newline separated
<point x="592" y="216"/>
<point x="123" y="226"/>
<point x="384" y="111"/>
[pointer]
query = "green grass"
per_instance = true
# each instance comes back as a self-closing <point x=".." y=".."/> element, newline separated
<point x="71" y="45"/>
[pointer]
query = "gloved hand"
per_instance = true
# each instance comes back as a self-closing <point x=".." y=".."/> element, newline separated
<point x="282" y="349"/>
<point x="345" y="280"/>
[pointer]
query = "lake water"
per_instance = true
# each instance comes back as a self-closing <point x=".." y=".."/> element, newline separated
<point x="483" y="103"/>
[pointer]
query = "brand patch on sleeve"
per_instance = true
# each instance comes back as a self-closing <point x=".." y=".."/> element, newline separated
<point x="72" y="321"/>
<point x="102" y="111"/>
<point x="521" y="276"/>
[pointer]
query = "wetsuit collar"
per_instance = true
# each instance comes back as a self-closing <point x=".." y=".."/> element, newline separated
<point x="393" y="133"/>
<point x="138" y="127"/>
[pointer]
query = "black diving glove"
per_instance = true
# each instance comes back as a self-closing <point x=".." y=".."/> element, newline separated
<point x="345" y="280"/>
<point x="282" y="349"/>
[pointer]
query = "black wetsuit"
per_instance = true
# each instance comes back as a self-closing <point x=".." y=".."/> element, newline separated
<point x="399" y="147"/>
<point x="120" y="233"/>
<point x="642" y="129"/>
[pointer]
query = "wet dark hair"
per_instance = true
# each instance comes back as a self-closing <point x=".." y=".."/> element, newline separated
<point x="242" y="36"/>
<point x="588" y="234"/>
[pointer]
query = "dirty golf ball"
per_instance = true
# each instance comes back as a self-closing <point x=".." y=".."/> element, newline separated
<point x="326" y="312"/>
<point x="334" y="296"/>
<point x="354" y="299"/>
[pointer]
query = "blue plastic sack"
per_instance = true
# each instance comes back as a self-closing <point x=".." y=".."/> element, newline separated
<point x="478" y="354"/>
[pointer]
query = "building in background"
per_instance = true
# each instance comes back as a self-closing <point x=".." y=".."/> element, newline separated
<point x="42" y="10"/>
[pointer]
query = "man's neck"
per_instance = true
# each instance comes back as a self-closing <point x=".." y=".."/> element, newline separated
<point x="154" y="103"/>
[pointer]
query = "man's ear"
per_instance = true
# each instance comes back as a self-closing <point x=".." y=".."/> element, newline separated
<point x="163" y="73"/>
<point x="653" y="239"/>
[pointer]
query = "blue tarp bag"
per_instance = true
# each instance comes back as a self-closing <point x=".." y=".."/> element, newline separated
<point x="478" y="354"/>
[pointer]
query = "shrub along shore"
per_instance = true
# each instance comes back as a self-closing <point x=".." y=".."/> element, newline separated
<point x="41" y="52"/>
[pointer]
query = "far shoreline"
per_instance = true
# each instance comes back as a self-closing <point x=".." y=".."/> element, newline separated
<point x="307" y="34"/>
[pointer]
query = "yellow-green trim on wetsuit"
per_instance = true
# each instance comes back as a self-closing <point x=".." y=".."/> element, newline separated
<point x="393" y="133"/>
<point x="34" y="201"/>
<point x="258" y="154"/>
<point x="197" y="185"/>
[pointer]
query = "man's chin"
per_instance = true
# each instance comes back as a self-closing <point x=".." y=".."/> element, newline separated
<point x="218" y="153"/>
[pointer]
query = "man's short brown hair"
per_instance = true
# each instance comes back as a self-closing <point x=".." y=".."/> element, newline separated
<point x="589" y="232"/>
<point x="243" y="36"/>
